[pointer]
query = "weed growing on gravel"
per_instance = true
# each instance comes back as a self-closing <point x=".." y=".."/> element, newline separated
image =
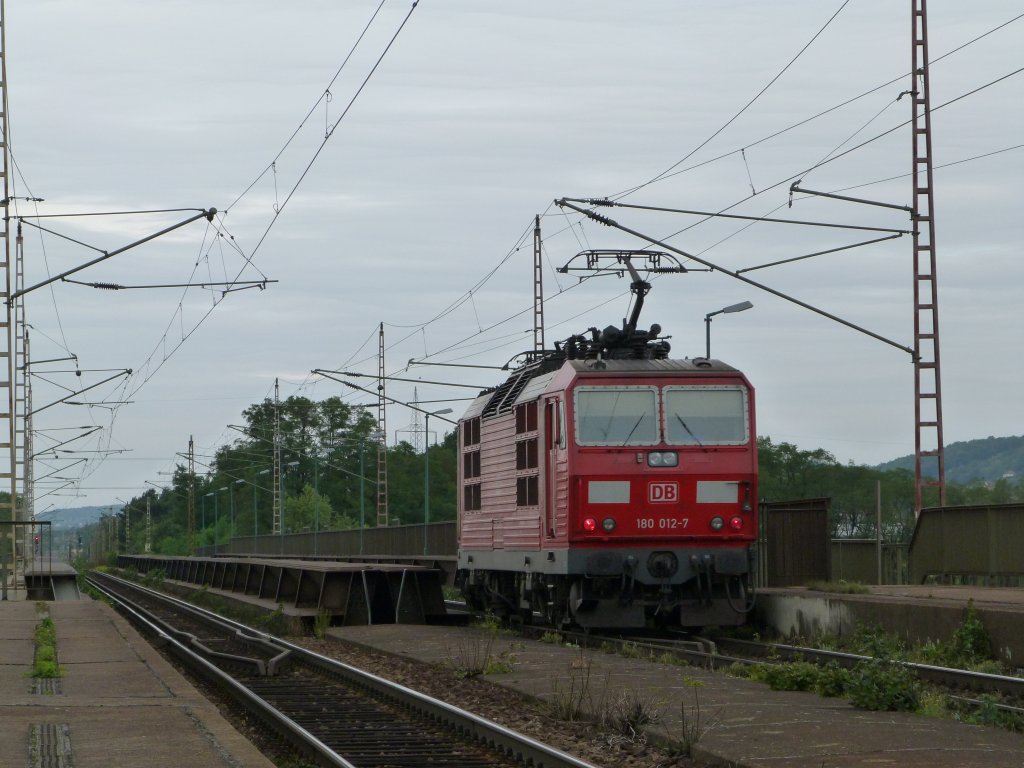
<point x="473" y="655"/>
<point x="154" y="579"/>
<point x="45" y="664"/>
<point x="551" y="637"/>
<point x="969" y="648"/>
<point x="832" y="681"/>
<point x="789" y="676"/>
<point x="321" y="624"/>
<point x="989" y="713"/>
<point x="501" y="664"/>
<point x="883" y="686"/>
<point x="571" y="701"/>
<point x="630" y="714"/>
<point x="693" y="725"/>
<point x="672" y="660"/>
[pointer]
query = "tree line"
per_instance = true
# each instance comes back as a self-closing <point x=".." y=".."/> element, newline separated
<point x="328" y="479"/>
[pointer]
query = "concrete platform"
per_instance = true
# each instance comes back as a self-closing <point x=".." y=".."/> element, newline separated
<point x="120" y="705"/>
<point x="48" y="579"/>
<point x="752" y="726"/>
<point x="352" y="593"/>
<point x="916" y="613"/>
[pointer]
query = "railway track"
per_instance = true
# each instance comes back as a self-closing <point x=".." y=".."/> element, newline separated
<point x="720" y="653"/>
<point x="716" y="652"/>
<point x="332" y="713"/>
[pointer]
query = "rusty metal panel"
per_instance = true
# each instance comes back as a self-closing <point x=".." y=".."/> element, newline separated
<point x="797" y="542"/>
<point x="856" y="560"/>
<point x="969" y="545"/>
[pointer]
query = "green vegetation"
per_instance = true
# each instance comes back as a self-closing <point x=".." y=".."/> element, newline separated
<point x="969" y="647"/>
<point x="321" y="624"/>
<point x="977" y="462"/>
<point x="788" y="472"/>
<point x="45" y="665"/>
<point x="839" y="587"/>
<point x="323" y="443"/>
<point x="884" y="683"/>
<point x="473" y="654"/>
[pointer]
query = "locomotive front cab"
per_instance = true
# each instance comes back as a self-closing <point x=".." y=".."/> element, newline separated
<point x="661" y="507"/>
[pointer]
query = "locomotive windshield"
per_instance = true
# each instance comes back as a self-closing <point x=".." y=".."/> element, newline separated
<point x="617" y="416"/>
<point x="705" y="415"/>
<point x="636" y="415"/>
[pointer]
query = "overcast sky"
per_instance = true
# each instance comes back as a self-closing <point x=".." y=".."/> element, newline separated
<point x="478" y="116"/>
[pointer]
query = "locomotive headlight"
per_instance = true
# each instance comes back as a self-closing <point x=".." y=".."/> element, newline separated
<point x="717" y="523"/>
<point x="589" y="525"/>
<point x="608" y="524"/>
<point x="663" y="459"/>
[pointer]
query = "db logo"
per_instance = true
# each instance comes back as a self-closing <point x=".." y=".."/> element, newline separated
<point x="660" y="493"/>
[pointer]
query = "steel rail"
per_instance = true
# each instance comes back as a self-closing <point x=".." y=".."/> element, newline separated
<point x="956" y="678"/>
<point x="487" y="732"/>
<point x="287" y="728"/>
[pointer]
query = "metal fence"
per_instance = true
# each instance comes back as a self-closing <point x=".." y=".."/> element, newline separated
<point x="956" y="545"/>
<point x="793" y="546"/>
<point x="969" y="545"/>
<point x="432" y="540"/>
<point x="862" y="561"/>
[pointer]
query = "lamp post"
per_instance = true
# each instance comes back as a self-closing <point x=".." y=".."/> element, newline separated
<point x="255" y="517"/>
<point x="232" y="494"/>
<point x="743" y="305"/>
<point x="216" y="519"/>
<point x="204" y="512"/>
<point x="426" y="471"/>
<point x="284" y="488"/>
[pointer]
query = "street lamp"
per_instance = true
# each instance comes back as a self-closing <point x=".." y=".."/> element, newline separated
<point x="216" y="537"/>
<point x="232" y="495"/>
<point x="426" y="471"/>
<point x="289" y="465"/>
<point x="743" y="305"/>
<point x="255" y="518"/>
<point x="205" y="496"/>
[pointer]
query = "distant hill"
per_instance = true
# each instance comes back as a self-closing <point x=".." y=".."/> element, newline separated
<point x="987" y="459"/>
<point x="75" y="517"/>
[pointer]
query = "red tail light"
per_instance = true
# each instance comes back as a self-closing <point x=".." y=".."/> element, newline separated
<point x="736" y="523"/>
<point x="589" y="525"/>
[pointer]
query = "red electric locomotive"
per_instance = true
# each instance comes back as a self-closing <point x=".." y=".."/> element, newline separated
<point x="608" y="485"/>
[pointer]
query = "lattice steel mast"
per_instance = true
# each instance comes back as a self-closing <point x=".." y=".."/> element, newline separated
<point x="191" y="496"/>
<point x="276" y="485"/>
<point x="382" y="446"/>
<point x="538" y="290"/>
<point x="928" y="443"/>
<point x="8" y="411"/>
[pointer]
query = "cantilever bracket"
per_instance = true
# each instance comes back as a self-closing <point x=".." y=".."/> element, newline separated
<point x="794" y="187"/>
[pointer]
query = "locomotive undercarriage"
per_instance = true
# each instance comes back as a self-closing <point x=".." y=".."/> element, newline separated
<point x="707" y="597"/>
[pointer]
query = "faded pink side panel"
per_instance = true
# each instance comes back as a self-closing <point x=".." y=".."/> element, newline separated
<point x="520" y="530"/>
<point x="498" y="478"/>
<point x="562" y="497"/>
<point x="475" y="532"/>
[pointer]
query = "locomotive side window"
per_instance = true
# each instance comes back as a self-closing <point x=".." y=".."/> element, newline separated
<point x="526" y="417"/>
<point x="706" y="415"/>
<point x="527" y="491"/>
<point x="471" y="464"/>
<point x="617" y="415"/>
<point x="471" y="432"/>
<point x="526" y="454"/>
<point x="471" y="497"/>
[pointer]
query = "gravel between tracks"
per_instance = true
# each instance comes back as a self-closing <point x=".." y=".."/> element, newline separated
<point x="527" y="716"/>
